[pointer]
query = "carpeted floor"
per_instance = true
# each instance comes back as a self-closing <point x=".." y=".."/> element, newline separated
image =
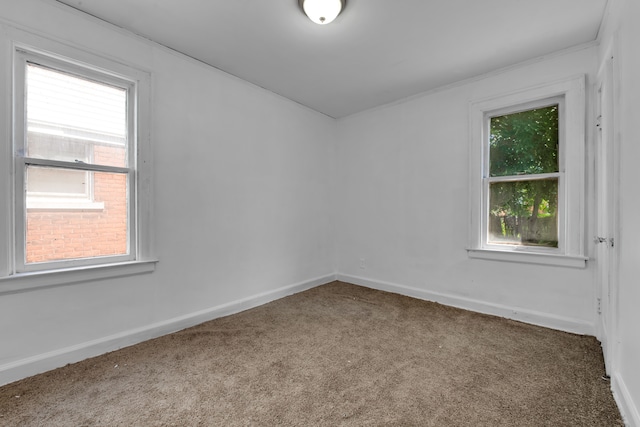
<point x="336" y="355"/>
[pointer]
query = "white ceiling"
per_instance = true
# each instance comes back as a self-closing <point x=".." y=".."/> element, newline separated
<point x="375" y="52"/>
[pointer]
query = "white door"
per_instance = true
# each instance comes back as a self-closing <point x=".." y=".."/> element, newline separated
<point x="605" y="208"/>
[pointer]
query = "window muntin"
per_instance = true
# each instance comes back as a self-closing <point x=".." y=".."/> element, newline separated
<point x="75" y="170"/>
<point x="522" y="179"/>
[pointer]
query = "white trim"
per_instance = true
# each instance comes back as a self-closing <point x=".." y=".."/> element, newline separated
<point x="79" y="166"/>
<point x="611" y="54"/>
<point x="79" y="68"/>
<point x="23" y="368"/>
<point x="524" y="177"/>
<point x="27" y="281"/>
<point x="529" y="257"/>
<point x="628" y="410"/>
<point x="547" y="320"/>
<point x="7" y="228"/>
<point x="140" y="202"/>
<point x="572" y="167"/>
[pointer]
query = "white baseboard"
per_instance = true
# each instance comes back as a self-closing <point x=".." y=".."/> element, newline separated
<point x="627" y="406"/>
<point x="44" y="362"/>
<point x="23" y="368"/>
<point x="547" y="320"/>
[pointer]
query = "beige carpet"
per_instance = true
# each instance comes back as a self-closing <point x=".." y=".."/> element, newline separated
<point x="337" y="355"/>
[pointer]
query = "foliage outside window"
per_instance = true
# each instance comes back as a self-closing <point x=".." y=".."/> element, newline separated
<point x="523" y="178"/>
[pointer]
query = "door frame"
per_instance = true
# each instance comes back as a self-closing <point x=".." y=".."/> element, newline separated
<point x="607" y="308"/>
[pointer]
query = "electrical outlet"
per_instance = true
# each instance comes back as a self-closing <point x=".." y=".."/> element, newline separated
<point x="363" y="263"/>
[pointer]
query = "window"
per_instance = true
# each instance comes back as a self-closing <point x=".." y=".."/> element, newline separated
<point x="523" y="177"/>
<point x="527" y="176"/>
<point x="75" y="186"/>
<point x="81" y="193"/>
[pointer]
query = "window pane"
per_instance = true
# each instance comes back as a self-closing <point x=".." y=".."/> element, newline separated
<point x="52" y="182"/>
<point x="74" y="232"/>
<point x="524" y="213"/>
<point x="74" y="119"/>
<point x="524" y="143"/>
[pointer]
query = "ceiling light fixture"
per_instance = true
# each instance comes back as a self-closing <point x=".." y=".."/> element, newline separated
<point x="322" y="11"/>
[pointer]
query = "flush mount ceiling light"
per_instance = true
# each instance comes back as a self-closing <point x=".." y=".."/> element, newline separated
<point x="322" y="11"/>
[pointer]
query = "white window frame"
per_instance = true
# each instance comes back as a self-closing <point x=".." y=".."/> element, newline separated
<point x="15" y="276"/>
<point x="22" y="58"/>
<point x="569" y="94"/>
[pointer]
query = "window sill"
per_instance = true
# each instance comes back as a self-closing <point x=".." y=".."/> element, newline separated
<point x="23" y="282"/>
<point x="529" y="258"/>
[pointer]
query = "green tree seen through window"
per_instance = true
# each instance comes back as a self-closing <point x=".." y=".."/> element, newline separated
<point x="523" y="208"/>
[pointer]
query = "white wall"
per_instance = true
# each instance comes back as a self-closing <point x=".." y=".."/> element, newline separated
<point x="622" y="29"/>
<point x="242" y="204"/>
<point x="404" y="205"/>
